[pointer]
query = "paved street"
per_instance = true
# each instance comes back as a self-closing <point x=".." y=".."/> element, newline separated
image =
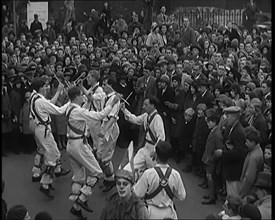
<point x="19" y="189"/>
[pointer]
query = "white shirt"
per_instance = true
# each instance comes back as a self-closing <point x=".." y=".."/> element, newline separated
<point x="44" y="108"/>
<point x="80" y="116"/>
<point x="156" y="125"/>
<point x="149" y="182"/>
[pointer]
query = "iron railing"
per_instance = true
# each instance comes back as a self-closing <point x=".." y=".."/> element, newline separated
<point x="200" y="16"/>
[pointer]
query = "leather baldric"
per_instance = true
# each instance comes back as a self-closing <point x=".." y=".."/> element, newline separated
<point x="36" y="115"/>
<point x="74" y="129"/>
<point x="148" y="130"/>
<point x="163" y="184"/>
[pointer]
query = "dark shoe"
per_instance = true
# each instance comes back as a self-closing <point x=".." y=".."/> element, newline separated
<point x="62" y="173"/>
<point x="206" y="197"/>
<point x="36" y="179"/>
<point x="222" y="194"/>
<point x="208" y="202"/>
<point x="204" y="186"/>
<point x="108" y="185"/>
<point x="187" y="169"/>
<point x="202" y="174"/>
<point x="84" y="205"/>
<point x="47" y="192"/>
<point x="203" y="183"/>
<point x="51" y="187"/>
<point x="77" y="213"/>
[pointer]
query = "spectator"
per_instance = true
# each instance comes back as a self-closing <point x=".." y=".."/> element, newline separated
<point x="49" y="32"/>
<point x="213" y="142"/>
<point x="187" y="34"/>
<point x="35" y="25"/>
<point x="42" y="215"/>
<point x="154" y="36"/>
<point x="18" y="212"/>
<point x="162" y="18"/>
<point x="253" y="163"/>
<point x="233" y="155"/>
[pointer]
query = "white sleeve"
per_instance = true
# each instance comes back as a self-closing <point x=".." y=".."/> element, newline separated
<point x="139" y="120"/>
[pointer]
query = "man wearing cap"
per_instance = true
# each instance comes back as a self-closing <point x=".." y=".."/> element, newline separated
<point x="124" y="204"/>
<point x="79" y="151"/>
<point x="160" y="184"/>
<point x="234" y="152"/>
<point x="154" y="131"/>
<point x="40" y="111"/>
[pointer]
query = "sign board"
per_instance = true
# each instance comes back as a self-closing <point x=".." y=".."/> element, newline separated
<point x="40" y="8"/>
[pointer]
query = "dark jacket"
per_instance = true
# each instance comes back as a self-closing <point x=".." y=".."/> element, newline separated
<point x="233" y="34"/>
<point x="200" y="135"/>
<point x="207" y="99"/>
<point x="177" y="113"/>
<point x="232" y="160"/>
<point x="187" y="131"/>
<point x="260" y="124"/>
<point x="188" y="37"/>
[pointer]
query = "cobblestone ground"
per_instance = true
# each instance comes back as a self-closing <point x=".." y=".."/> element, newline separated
<point x="19" y="189"/>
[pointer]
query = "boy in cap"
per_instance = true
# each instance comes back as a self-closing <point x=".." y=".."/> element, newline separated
<point x="254" y="161"/>
<point x="160" y="184"/>
<point x="213" y="142"/>
<point x="134" y="207"/>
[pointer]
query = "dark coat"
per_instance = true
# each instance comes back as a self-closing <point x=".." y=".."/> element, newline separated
<point x="189" y="102"/>
<point x="207" y="99"/>
<point x="187" y="131"/>
<point x="200" y="135"/>
<point x="6" y="113"/>
<point x="232" y="160"/>
<point x="35" y="25"/>
<point x="213" y="142"/>
<point x="150" y="89"/>
<point x="177" y="113"/>
<point x="188" y="37"/>
<point x="233" y="34"/>
<point x="260" y="124"/>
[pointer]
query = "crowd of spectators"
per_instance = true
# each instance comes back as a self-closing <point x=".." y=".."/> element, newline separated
<point x="190" y="71"/>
